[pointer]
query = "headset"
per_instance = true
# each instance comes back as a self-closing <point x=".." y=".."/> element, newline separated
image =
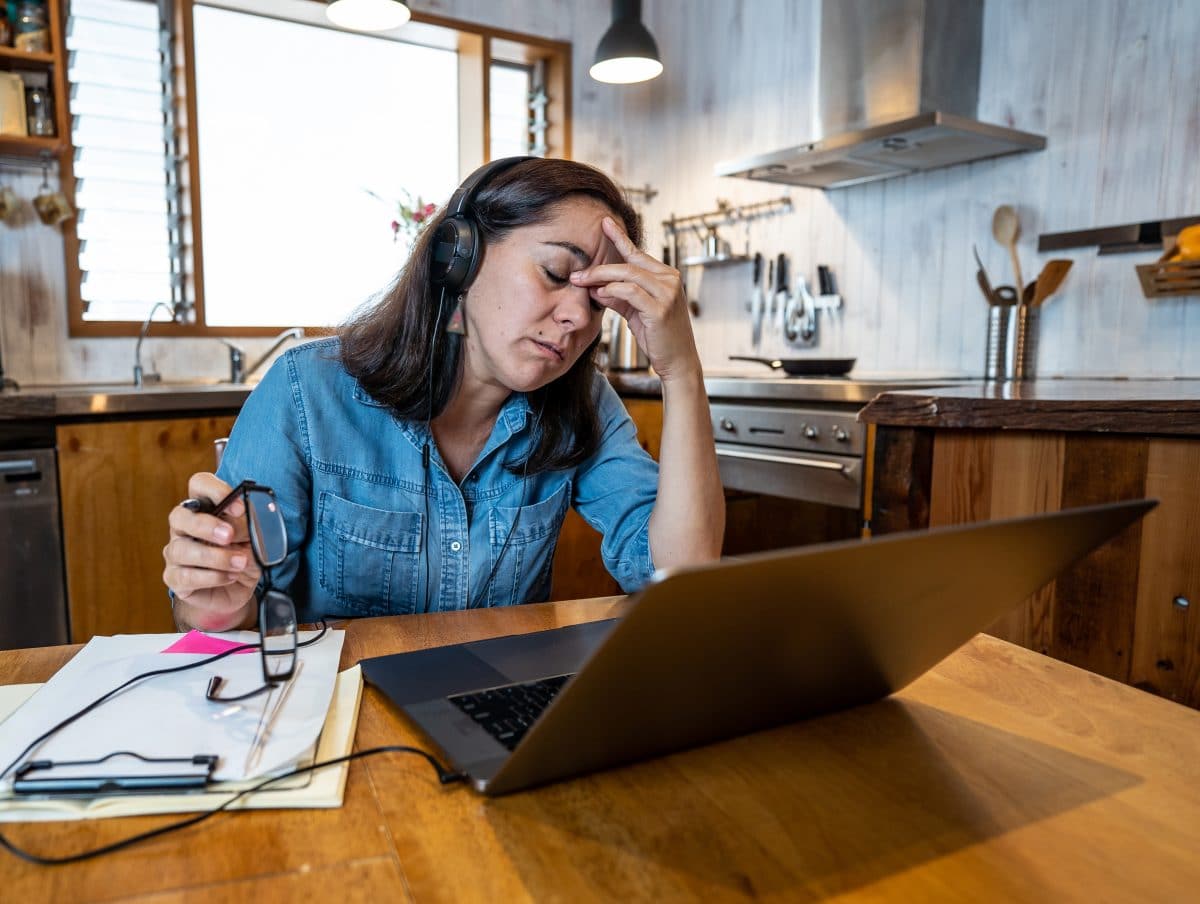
<point x="458" y="241"/>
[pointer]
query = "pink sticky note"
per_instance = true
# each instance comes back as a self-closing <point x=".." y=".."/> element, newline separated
<point x="199" y="642"/>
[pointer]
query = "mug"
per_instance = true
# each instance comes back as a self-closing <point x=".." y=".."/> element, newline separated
<point x="10" y="203"/>
<point x="52" y="207"/>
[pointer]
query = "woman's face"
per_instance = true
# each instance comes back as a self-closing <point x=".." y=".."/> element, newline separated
<point x="526" y="324"/>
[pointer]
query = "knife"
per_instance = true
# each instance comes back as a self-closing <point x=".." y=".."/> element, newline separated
<point x="825" y="280"/>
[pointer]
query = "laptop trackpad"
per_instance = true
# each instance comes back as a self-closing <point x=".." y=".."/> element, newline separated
<point x="543" y="654"/>
<point x="443" y="671"/>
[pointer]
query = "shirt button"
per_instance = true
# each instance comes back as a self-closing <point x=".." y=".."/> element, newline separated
<point x="455" y="546"/>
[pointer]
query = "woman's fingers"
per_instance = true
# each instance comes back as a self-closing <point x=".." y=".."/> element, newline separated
<point x="627" y="249"/>
<point x="203" y="485"/>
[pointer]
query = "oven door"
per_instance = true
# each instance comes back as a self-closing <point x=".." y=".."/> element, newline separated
<point x="810" y="476"/>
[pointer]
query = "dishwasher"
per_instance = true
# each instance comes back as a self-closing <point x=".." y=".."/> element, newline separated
<point x="33" y="604"/>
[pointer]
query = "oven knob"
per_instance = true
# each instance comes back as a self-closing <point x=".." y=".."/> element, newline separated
<point x="840" y="435"/>
<point x="811" y="432"/>
<point x="727" y="424"/>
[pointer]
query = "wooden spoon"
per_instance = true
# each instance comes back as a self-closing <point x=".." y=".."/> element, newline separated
<point x="1050" y="279"/>
<point x="1006" y="226"/>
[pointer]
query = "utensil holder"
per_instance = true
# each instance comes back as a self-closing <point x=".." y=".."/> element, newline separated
<point x="1024" y="359"/>
<point x="995" y="366"/>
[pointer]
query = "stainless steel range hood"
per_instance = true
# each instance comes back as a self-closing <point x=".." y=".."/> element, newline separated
<point x="897" y="93"/>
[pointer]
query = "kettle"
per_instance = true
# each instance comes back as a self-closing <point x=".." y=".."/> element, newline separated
<point x="623" y="350"/>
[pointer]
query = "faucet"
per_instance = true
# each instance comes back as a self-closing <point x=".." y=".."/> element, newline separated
<point x="138" y="376"/>
<point x="238" y="372"/>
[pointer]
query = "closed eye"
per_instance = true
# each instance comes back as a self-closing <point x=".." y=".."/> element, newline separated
<point x="562" y="281"/>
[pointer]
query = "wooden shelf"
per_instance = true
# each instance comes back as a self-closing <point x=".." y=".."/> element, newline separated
<point x="18" y="146"/>
<point x="16" y="59"/>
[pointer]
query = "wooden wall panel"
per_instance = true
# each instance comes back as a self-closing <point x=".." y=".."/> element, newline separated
<point x="1113" y="612"/>
<point x="1166" y="645"/>
<point x="1027" y="474"/>
<point x="118" y="481"/>
<point x="1095" y="598"/>
<point x="899" y="476"/>
<point x="962" y="478"/>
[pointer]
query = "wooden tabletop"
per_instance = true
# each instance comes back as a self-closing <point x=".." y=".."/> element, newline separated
<point x="999" y="775"/>
<point x="1166" y="407"/>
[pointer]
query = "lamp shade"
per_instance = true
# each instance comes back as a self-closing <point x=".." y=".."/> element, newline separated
<point x="368" y="15"/>
<point x="627" y="52"/>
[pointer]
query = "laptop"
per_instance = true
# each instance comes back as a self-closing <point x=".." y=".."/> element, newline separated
<point x="736" y="646"/>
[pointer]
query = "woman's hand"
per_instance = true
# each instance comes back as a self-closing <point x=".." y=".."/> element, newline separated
<point x="649" y="295"/>
<point x="209" y="565"/>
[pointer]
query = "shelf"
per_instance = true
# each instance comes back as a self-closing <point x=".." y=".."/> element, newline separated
<point x="718" y="261"/>
<point x="18" y="59"/>
<point x="18" y="146"/>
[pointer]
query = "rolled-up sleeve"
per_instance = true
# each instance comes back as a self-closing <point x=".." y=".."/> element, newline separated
<point x="615" y="491"/>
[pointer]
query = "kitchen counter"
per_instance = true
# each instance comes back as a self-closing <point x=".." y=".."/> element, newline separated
<point x="1165" y="407"/>
<point x="857" y="390"/>
<point x="91" y="400"/>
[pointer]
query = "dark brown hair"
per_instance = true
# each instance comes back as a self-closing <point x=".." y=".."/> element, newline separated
<point x="398" y="348"/>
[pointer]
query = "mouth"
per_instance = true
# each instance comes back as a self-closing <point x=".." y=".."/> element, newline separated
<point x="551" y="349"/>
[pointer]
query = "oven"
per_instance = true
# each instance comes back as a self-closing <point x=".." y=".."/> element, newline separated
<point x="792" y="451"/>
<point x="792" y="456"/>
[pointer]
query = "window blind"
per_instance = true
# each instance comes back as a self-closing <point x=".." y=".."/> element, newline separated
<point x="125" y="162"/>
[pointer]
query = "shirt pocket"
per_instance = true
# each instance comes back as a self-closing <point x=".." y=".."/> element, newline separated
<point x="521" y="567"/>
<point x="368" y="558"/>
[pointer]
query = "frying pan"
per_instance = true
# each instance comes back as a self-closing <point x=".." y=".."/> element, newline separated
<point x="804" y="367"/>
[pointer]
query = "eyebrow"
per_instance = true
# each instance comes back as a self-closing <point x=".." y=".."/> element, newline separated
<point x="578" y="252"/>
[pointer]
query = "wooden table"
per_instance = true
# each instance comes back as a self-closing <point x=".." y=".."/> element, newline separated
<point x="1001" y="774"/>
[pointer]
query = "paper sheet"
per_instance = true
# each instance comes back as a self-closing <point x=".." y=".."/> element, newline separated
<point x="323" y="788"/>
<point x="168" y="715"/>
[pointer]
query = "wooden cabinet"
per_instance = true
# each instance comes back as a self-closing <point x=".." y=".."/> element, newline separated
<point x="118" y="481"/>
<point x="1127" y="611"/>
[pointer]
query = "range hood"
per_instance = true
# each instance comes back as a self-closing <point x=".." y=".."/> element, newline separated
<point x="897" y="93"/>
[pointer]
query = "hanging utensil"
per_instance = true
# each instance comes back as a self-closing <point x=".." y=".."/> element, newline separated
<point x="1006" y="228"/>
<point x="781" y="287"/>
<point x="1050" y="279"/>
<point x="981" y="277"/>
<point x="757" y="301"/>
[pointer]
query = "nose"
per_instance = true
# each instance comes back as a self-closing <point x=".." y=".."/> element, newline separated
<point x="574" y="310"/>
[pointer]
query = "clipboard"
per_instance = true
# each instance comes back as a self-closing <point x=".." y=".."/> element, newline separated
<point x="121" y="772"/>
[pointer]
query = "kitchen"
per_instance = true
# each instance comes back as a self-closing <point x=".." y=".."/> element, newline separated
<point x="1110" y="87"/>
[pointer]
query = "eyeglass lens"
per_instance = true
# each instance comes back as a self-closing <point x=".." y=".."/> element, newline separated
<point x="268" y="536"/>
<point x="278" y="626"/>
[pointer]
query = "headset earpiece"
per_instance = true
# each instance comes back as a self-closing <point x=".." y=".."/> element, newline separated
<point x="458" y="244"/>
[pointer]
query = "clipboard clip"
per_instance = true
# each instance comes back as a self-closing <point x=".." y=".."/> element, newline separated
<point x="69" y="777"/>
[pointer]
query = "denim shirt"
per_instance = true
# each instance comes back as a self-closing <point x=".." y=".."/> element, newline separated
<point x="372" y="530"/>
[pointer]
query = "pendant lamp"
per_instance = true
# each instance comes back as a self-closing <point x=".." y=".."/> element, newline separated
<point x="368" y="15"/>
<point x="627" y="52"/>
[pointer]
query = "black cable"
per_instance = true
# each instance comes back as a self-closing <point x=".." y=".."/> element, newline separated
<point x="475" y="604"/>
<point x="437" y="323"/>
<point x="445" y="776"/>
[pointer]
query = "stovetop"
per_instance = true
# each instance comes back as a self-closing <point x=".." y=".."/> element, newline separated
<point x="857" y="389"/>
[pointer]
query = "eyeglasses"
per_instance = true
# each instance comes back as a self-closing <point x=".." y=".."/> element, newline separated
<point x="276" y="612"/>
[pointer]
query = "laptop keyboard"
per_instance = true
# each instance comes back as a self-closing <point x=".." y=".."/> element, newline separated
<point x="507" y="712"/>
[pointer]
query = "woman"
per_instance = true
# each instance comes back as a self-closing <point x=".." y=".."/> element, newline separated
<point x="426" y="458"/>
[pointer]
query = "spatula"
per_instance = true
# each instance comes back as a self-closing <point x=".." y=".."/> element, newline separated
<point x="1050" y="279"/>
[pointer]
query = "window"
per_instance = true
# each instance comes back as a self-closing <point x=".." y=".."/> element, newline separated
<point x="244" y="159"/>
<point x="301" y="165"/>
<point x="508" y="107"/>
<point x="125" y="187"/>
